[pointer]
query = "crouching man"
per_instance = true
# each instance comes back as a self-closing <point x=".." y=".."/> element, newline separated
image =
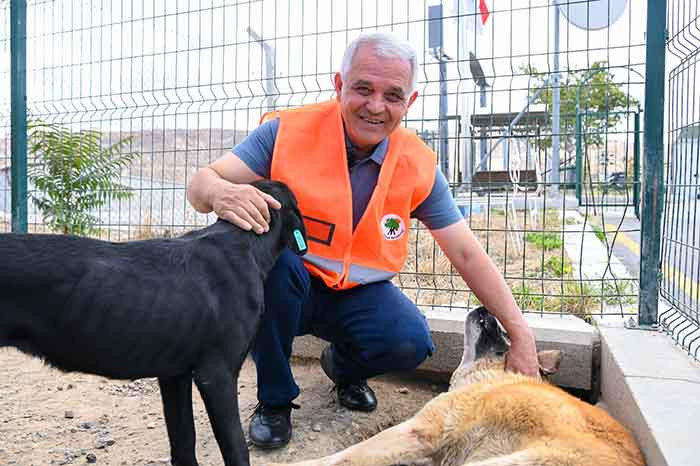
<point x="359" y="178"/>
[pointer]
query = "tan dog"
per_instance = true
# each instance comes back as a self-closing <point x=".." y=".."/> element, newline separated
<point x="490" y="417"/>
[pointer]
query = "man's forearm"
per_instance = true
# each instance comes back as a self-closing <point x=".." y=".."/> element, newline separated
<point x="487" y="283"/>
<point x="480" y="273"/>
<point x="199" y="189"/>
<point x="478" y="270"/>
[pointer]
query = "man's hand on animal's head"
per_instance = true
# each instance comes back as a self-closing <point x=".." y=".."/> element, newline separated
<point x="242" y="205"/>
<point x="522" y="355"/>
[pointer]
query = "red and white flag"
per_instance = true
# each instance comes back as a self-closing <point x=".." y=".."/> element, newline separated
<point x="479" y="11"/>
<point x="484" y="14"/>
<point x="474" y="16"/>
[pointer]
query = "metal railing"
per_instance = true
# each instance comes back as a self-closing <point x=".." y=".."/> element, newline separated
<point x="189" y="80"/>
<point x="680" y="253"/>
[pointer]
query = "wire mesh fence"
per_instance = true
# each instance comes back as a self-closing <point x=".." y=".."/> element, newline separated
<point x="681" y="227"/>
<point x="551" y="198"/>
<point x="4" y="115"/>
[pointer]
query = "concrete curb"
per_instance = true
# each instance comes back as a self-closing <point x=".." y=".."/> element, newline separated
<point x="573" y="336"/>
<point x="651" y="386"/>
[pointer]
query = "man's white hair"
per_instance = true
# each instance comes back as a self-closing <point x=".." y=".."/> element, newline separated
<point x="385" y="45"/>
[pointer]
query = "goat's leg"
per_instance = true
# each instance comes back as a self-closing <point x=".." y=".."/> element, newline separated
<point x="217" y="383"/>
<point x="176" y="393"/>
<point x="408" y="441"/>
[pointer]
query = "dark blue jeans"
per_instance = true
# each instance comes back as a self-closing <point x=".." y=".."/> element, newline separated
<point x="373" y="329"/>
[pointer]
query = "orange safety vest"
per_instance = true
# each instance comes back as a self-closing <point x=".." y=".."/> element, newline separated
<point x="311" y="158"/>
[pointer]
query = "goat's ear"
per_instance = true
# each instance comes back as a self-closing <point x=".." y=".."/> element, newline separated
<point x="549" y="361"/>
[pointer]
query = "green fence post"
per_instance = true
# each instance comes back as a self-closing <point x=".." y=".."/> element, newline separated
<point x="579" y="157"/>
<point x="649" y="264"/>
<point x="636" y="161"/>
<point x="18" y="113"/>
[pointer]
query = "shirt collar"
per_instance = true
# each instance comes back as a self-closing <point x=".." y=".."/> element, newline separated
<point x="378" y="154"/>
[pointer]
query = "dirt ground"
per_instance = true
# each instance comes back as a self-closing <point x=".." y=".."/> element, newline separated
<point x="51" y="418"/>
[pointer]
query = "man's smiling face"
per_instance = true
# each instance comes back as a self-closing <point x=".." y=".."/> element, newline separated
<point x="374" y="97"/>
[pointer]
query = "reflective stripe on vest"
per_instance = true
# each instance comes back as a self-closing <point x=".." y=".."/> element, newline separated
<point x="356" y="274"/>
<point x="363" y="275"/>
<point x="327" y="264"/>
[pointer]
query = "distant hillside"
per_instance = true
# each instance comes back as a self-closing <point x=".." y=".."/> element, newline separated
<point x="175" y="154"/>
<point x="167" y="155"/>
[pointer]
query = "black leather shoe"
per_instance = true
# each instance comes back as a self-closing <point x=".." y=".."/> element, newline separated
<point x="355" y="395"/>
<point x="271" y="427"/>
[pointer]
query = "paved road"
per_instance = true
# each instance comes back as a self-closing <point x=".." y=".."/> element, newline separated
<point x="680" y="252"/>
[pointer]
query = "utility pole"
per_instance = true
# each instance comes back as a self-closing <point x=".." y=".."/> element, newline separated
<point x="435" y="43"/>
<point x="269" y="52"/>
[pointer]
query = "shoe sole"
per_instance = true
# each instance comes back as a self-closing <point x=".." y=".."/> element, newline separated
<point x="357" y="408"/>
<point x="269" y="446"/>
<point x="323" y="366"/>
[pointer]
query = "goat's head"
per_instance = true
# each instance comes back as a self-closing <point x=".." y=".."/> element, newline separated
<point x="486" y="346"/>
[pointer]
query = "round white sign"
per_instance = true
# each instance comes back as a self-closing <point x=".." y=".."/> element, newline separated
<point x="592" y="14"/>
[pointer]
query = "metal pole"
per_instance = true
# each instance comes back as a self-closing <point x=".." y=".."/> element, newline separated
<point x="579" y="156"/>
<point x="556" y="103"/>
<point x="649" y="266"/>
<point x="442" y="118"/>
<point x="18" y="113"/>
<point x="270" y="72"/>
<point x="483" y="151"/>
<point x="637" y="135"/>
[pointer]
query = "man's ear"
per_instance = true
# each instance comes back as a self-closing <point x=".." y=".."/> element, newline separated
<point x="549" y="361"/>
<point x="412" y="99"/>
<point x="338" y="84"/>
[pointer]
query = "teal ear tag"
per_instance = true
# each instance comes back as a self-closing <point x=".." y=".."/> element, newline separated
<point x="301" y="244"/>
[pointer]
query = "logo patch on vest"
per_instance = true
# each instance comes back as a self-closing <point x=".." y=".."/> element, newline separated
<point x="392" y="227"/>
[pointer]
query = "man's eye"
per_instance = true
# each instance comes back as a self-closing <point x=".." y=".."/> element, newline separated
<point x="394" y="98"/>
<point x="363" y="90"/>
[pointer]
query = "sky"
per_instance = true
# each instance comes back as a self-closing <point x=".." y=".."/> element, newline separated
<point x="175" y="62"/>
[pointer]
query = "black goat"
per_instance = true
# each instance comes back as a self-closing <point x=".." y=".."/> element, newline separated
<point x="177" y="309"/>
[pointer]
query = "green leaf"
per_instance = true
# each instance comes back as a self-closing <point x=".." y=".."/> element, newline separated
<point x="74" y="175"/>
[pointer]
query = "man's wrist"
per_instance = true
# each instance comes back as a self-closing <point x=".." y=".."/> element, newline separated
<point x="212" y="192"/>
<point x="522" y="335"/>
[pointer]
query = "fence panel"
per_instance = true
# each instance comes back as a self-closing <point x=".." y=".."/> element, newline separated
<point x="680" y="267"/>
<point x="189" y="80"/>
<point x="5" y="201"/>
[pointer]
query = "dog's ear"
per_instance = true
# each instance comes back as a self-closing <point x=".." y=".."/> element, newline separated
<point x="549" y="361"/>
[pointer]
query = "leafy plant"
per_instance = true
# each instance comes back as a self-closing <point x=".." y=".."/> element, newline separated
<point x="602" y="101"/>
<point x="598" y="232"/>
<point x="526" y="298"/>
<point x="599" y="96"/>
<point x="558" y="266"/>
<point x="580" y="299"/>
<point x="546" y="241"/>
<point x="74" y="175"/>
<point x="619" y="292"/>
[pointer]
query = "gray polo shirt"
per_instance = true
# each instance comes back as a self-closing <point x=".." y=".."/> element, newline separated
<point x="438" y="210"/>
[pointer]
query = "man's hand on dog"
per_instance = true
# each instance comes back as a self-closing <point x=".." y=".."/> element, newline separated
<point x="522" y="355"/>
<point x="243" y="205"/>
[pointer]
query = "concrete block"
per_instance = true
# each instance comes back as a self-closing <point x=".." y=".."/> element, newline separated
<point x="651" y="386"/>
<point x="569" y="334"/>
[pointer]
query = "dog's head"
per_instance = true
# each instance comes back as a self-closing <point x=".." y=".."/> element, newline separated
<point x="293" y="230"/>
<point x="486" y="347"/>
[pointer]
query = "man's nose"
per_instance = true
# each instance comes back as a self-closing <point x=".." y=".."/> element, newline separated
<point x="375" y="104"/>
